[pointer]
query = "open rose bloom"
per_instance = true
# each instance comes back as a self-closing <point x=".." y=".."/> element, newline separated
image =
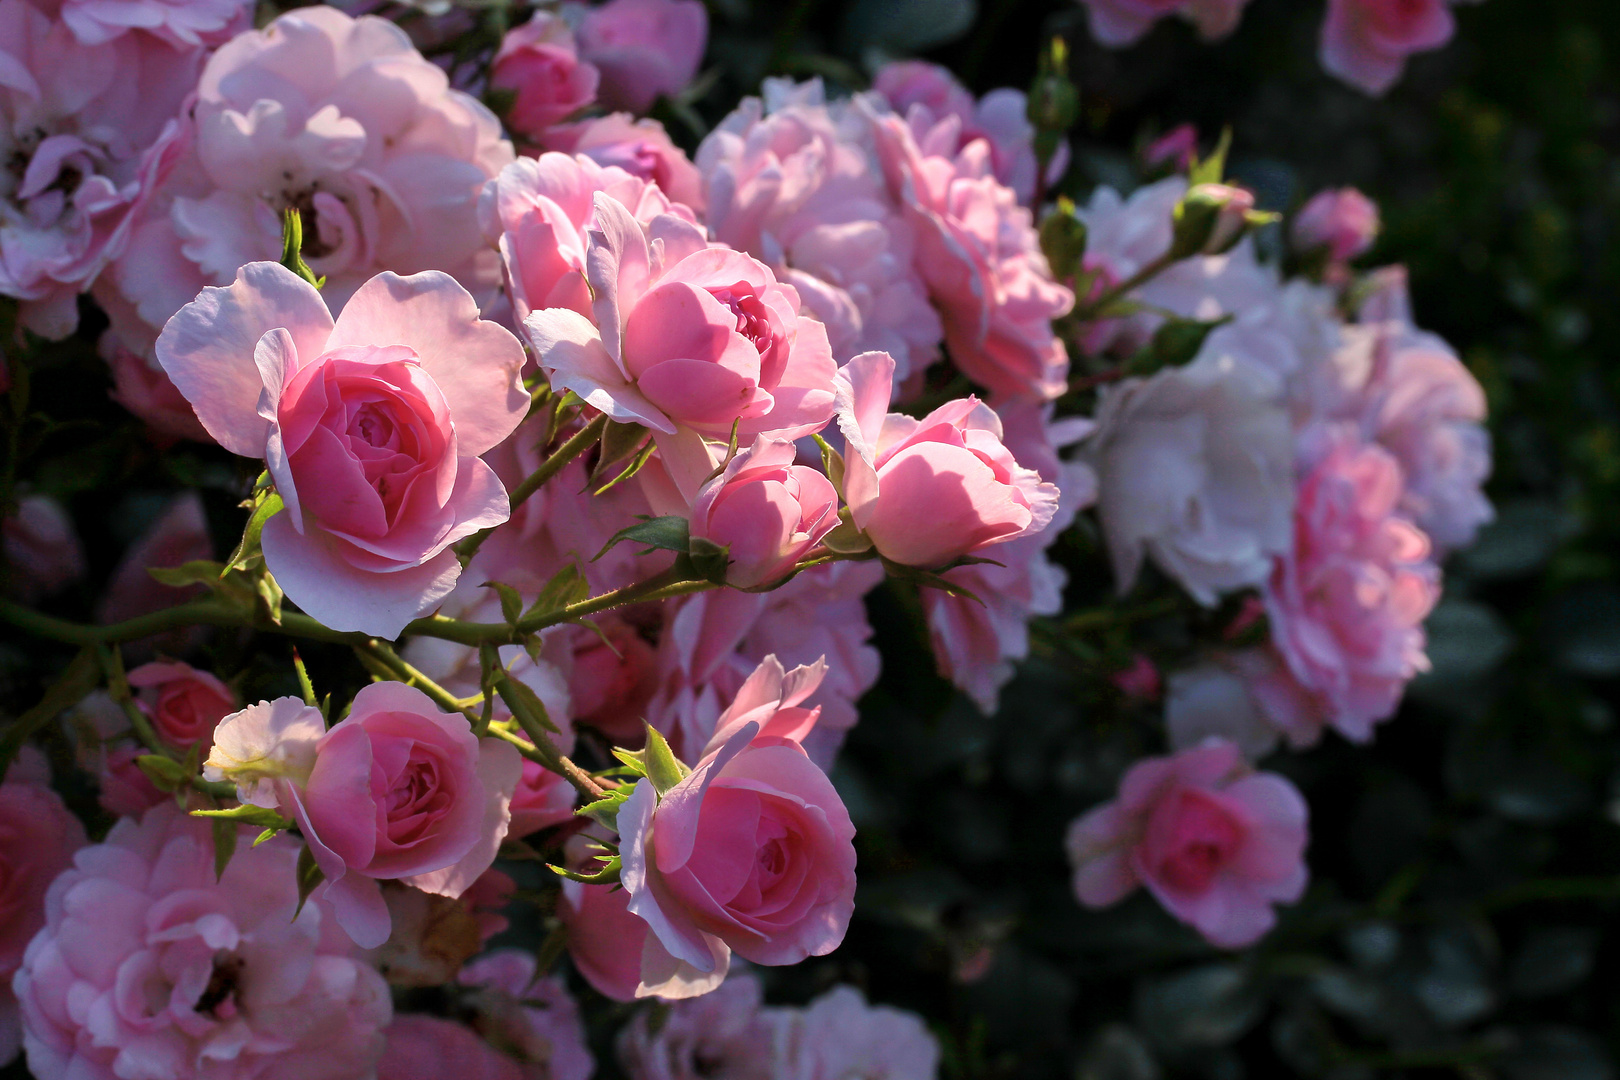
<point x="370" y="425"/>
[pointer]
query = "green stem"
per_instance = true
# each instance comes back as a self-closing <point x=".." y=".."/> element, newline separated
<point x="1091" y="309"/>
<point x="577" y="444"/>
<point x="546" y="752"/>
<point x="384" y="655"/>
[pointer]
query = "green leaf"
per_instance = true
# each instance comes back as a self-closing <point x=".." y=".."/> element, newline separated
<point x="268" y="590"/>
<point x="524" y="703"/>
<point x="664" y="769"/>
<point x="619" y="441"/>
<point x="165" y="773"/>
<point x="845" y="538"/>
<point x="634" y="760"/>
<point x="929" y="580"/>
<point x="247" y="814"/>
<point x="80" y="676"/>
<point x="669" y="533"/>
<point x="567" y="586"/>
<point x="608" y="875"/>
<point x="292" y="247"/>
<point x="266" y="505"/>
<point x="305" y="687"/>
<point x="308" y="876"/>
<point x="511" y="601"/>
<point x="606" y="809"/>
<point x="266" y="835"/>
<point x="224" y="845"/>
<point x="641" y="458"/>
<point x="198" y="572"/>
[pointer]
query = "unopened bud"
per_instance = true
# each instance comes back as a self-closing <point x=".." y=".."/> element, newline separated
<point x="1211" y="219"/>
<point x="1063" y="240"/>
<point x="1054" y="101"/>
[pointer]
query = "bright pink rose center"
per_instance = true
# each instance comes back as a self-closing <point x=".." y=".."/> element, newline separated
<point x="1190" y="837"/>
<point x="414" y="798"/>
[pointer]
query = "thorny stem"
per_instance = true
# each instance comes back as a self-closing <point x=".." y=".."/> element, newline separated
<point x="576" y="445"/>
<point x="545" y="754"/>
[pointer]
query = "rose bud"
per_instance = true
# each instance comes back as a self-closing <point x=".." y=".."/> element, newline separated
<point x="766" y="510"/>
<point x="538" y="63"/>
<point x="183" y="703"/>
<point x="1210" y="219"/>
<point x="1342" y="222"/>
<point x="932" y="490"/>
<point x="1214" y="841"/>
<point x="396" y="790"/>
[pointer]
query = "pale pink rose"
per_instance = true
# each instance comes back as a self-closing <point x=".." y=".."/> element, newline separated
<point x="768" y="871"/>
<point x="1214" y="841"/>
<point x="539" y="64"/>
<point x="1175" y="149"/>
<point x="395" y="790"/>
<point x="42" y="551"/>
<point x="1221" y="697"/>
<point x="140" y="386"/>
<point x="977" y="642"/>
<point x="178" y="536"/>
<point x="87" y="128"/>
<point x="38" y="837"/>
<point x="149" y="967"/>
<point x="183" y="703"/>
<point x="184" y="24"/>
<point x="928" y="491"/>
<point x="1347" y="604"/>
<point x="339" y="118"/>
<point x="773" y="698"/>
<point x="980" y="255"/>
<point x="767" y="512"/>
<point x="793" y="180"/>
<point x="1408" y="390"/>
<point x="644" y="48"/>
<point x="685" y="334"/>
<point x="839" y="1035"/>
<point x="1366" y="42"/>
<point x="727" y="1033"/>
<point x="370" y="426"/>
<point x="534" y="1019"/>
<point x="540" y="212"/>
<point x="1118" y="23"/>
<point x="640" y="147"/>
<point x="928" y="94"/>
<point x="1195" y="468"/>
<point x="604" y="939"/>
<point x="423" y="1047"/>
<point x="1341" y="221"/>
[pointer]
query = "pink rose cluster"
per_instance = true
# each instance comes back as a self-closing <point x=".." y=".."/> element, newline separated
<point x="1366" y="43"/>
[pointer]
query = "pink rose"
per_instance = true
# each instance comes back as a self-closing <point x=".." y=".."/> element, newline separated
<point x="928" y="491"/>
<point x="140" y="386"/>
<point x="792" y="179"/>
<point x="1347" y="604"/>
<point x="426" y="1048"/>
<point x="125" y="789"/>
<point x="1366" y="42"/>
<point x="839" y="1035"/>
<point x="1214" y="842"/>
<point x="1117" y="23"/>
<point x="766" y="511"/>
<point x="640" y="147"/>
<point x="38" y="837"/>
<point x="542" y="799"/>
<point x="88" y="126"/>
<point x="614" y="677"/>
<point x="42" y="551"/>
<point x="1344" y="222"/>
<point x="773" y="698"/>
<point x="184" y="24"/>
<point x="644" y="48"/>
<point x="686" y="334"/>
<point x="370" y="426"/>
<point x="396" y="790"/>
<point x="904" y="83"/>
<point x="752" y="851"/>
<point x="232" y="985"/>
<point x="537" y="62"/>
<point x="184" y="704"/>
<point x="339" y="118"/>
<point x="980" y="255"/>
<point x="539" y="212"/>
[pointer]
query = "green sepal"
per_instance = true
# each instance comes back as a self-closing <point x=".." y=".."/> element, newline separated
<point x="634" y="760"/>
<point x="664" y="769"/>
<point x="709" y="559"/>
<point x="606" y="809"/>
<point x="511" y="601"/>
<point x="608" y="875"/>
<point x="165" y="773"/>
<point x="268" y="591"/>
<point x="1212" y="169"/>
<point x="929" y="580"/>
<point x="265" y="505"/>
<point x="292" y="247"/>
<point x="248" y="814"/>
<point x="224" y="845"/>
<point x="268" y="834"/>
<point x="1063" y="240"/>
<point x="845" y="538"/>
<point x="196" y="572"/>
<point x="308" y="876"/>
<point x="642" y="457"/>
<point x="832" y="463"/>
<point x="619" y="441"/>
